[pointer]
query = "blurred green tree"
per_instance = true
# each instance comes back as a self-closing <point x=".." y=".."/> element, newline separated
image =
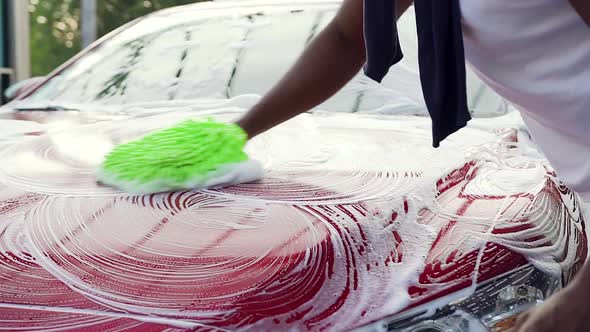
<point x="55" y="26"/>
<point x="114" y="13"/>
<point x="55" y="35"/>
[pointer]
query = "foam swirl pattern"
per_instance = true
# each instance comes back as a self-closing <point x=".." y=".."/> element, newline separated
<point x="347" y="226"/>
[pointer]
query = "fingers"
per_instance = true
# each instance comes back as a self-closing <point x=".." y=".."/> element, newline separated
<point x="520" y="321"/>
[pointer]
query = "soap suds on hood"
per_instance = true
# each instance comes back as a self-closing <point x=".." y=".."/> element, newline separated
<point x="356" y="218"/>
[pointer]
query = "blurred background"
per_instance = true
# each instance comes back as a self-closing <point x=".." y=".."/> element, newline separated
<point x="244" y="50"/>
<point x="58" y="29"/>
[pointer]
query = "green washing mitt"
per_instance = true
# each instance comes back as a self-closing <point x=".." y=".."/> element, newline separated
<point x="191" y="155"/>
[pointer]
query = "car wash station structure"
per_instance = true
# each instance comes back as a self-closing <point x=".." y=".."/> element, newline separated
<point x="14" y="42"/>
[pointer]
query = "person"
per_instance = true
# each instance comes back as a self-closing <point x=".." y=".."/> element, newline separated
<point x="534" y="53"/>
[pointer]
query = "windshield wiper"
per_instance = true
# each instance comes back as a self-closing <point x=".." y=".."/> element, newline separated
<point x="49" y="108"/>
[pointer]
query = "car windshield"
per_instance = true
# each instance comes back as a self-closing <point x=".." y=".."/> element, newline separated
<point x="222" y="51"/>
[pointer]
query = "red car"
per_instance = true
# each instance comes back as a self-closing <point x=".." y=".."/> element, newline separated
<point x="358" y="224"/>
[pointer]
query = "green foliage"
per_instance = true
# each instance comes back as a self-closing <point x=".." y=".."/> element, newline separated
<point x="55" y="35"/>
<point x="114" y="13"/>
<point x="55" y="26"/>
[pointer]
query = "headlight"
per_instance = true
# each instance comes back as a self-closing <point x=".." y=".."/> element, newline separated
<point x="510" y="302"/>
<point x="493" y="306"/>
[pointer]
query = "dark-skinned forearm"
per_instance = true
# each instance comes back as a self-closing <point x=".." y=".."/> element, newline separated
<point x="327" y="64"/>
<point x="333" y="58"/>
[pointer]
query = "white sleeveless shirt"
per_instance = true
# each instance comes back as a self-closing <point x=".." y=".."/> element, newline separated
<point x="536" y="54"/>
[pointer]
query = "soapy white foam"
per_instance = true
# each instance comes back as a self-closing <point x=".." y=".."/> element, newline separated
<point x="103" y="314"/>
<point x="228" y="174"/>
<point x="81" y="148"/>
<point x="350" y="211"/>
<point x="18" y="128"/>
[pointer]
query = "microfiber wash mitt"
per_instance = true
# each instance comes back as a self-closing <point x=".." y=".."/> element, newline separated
<point x="191" y="155"/>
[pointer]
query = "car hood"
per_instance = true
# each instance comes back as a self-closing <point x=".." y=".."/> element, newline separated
<point x="356" y="219"/>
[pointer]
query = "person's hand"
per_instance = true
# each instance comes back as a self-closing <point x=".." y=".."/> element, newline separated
<point x="567" y="311"/>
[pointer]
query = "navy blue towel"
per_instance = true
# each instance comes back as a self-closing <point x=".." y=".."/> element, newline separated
<point x="440" y="54"/>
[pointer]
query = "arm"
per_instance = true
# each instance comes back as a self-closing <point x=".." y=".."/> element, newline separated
<point x="332" y="59"/>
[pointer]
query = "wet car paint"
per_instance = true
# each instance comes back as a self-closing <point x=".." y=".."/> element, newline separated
<point x="314" y="245"/>
<point x="349" y="225"/>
